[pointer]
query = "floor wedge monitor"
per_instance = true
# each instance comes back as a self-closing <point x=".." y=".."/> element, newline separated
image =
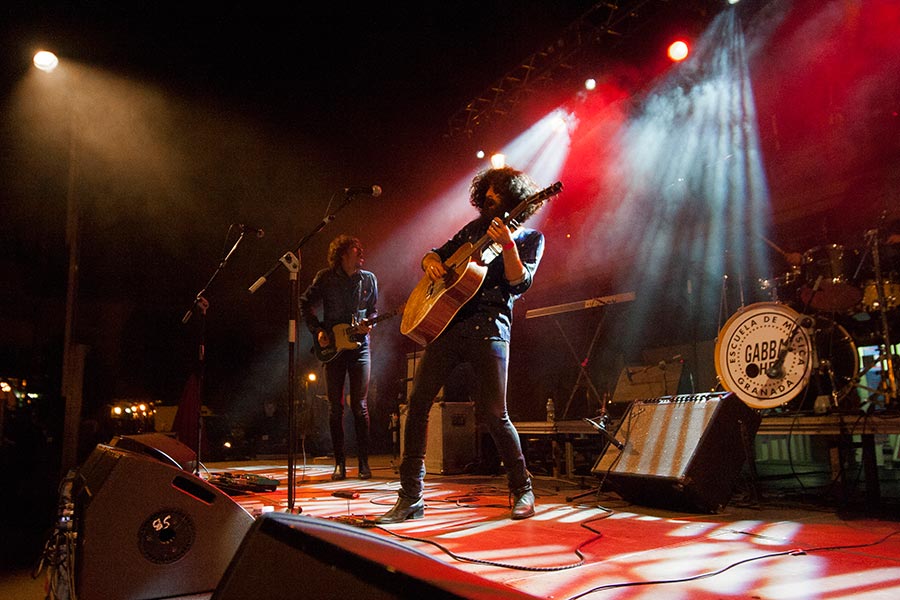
<point x="147" y="529"/>
<point x="287" y="556"/>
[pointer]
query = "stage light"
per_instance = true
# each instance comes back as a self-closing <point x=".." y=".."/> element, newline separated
<point x="311" y="377"/>
<point x="590" y="84"/>
<point x="45" y="61"/>
<point x="479" y="155"/>
<point x="677" y="51"/>
<point x="733" y="1"/>
<point x="498" y="160"/>
<point x="117" y="410"/>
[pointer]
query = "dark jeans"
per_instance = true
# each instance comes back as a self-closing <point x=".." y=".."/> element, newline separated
<point x="356" y="365"/>
<point x="489" y="360"/>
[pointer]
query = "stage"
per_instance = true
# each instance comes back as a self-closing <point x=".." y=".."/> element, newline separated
<point x="777" y="537"/>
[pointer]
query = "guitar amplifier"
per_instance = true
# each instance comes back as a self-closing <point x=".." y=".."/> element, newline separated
<point x="451" y="437"/>
<point x="681" y="452"/>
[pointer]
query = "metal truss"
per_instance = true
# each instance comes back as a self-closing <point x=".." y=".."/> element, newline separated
<point x="604" y="24"/>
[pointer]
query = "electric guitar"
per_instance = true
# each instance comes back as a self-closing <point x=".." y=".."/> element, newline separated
<point x="433" y="304"/>
<point x="342" y="337"/>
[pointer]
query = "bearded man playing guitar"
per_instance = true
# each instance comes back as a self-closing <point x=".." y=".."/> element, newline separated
<point x="478" y="334"/>
<point x="347" y="295"/>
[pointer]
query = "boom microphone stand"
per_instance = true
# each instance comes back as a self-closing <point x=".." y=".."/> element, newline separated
<point x="202" y="303"/>
<point x="291" y="262"/>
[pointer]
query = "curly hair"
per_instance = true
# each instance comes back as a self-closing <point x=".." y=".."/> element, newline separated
<point x="511" y="185"/>
<point x="339" y="246"/>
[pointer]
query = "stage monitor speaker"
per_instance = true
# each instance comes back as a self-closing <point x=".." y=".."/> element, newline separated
<point x="681" y="452"/>
<point x="162" y="447"/>
<point x="450" y="445"/>
<point x="146" y="529"/>
<point x="288" y="556"/>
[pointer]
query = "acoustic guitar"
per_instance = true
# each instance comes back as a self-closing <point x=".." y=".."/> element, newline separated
<point x="433" y="304"/>
<point x="343" y="337"/>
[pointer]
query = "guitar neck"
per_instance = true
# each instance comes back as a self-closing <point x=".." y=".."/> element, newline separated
<point x="484" y="241"/>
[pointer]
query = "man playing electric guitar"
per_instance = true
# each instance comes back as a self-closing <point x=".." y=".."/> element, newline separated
<point x="478" y="334"/>
<point x="347" y="294"/>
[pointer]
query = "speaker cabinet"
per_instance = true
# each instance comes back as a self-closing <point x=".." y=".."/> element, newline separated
<point x="147" y="529"/>
<point x="159" y="446"/>
<point x="681" y="452"/>
<point x="288" y="556"/>
<point x="450" y="447"/>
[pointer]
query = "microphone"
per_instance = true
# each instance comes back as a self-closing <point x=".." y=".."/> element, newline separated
<point x="601" y="427"/>
<point x="373" y="191"/>
<point x="250" y="229"/>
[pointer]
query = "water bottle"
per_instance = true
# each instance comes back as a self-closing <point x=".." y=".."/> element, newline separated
<point x="551" y="411"/>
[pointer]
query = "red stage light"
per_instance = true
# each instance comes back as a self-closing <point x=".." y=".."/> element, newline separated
<point x="677" y="51"/>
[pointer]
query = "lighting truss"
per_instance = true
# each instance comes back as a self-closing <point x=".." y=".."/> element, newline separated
<point x="603" y="21"/>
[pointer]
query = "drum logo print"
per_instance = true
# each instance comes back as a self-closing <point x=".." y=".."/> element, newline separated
<point x="763" y="355"/>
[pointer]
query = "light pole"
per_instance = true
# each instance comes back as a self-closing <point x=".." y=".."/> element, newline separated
<point x="73" y="355"/>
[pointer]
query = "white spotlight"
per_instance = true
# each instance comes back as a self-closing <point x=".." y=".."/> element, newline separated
<point x="45" y="61"/>
<point x="590" y="84"/>
<point x="498" y="161"/>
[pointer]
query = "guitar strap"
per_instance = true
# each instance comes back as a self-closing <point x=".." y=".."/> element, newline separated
<point x="359" y="289"/>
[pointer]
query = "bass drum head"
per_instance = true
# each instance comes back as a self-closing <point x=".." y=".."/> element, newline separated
<point x="764" y="354"/>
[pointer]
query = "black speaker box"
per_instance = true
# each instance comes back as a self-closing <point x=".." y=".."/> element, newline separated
<point x="681" y="452"/>
<point x="288" y="556"/>
<point x="147" y="529"/>
<point x="159" y="446"/>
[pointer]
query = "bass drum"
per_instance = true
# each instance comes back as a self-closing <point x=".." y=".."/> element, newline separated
<point x="764" y="354"/>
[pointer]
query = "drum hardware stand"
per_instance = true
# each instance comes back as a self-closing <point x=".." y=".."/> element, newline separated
<point x="291" y="262"/>
<point x="200" y="302"/>
<point x="890" y="385"/>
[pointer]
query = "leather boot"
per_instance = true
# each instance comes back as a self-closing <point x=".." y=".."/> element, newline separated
<point x="340" y="471"/>
<point x="405" y="508"/>
<point x="523" y="504"/>
<point x="364" y="471"/>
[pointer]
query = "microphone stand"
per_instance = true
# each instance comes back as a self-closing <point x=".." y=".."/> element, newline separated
<point x="776" y="370"/>
<point x="202" y="303"/>
<point x="292" y="263"/>
<point x="600" y="424"/>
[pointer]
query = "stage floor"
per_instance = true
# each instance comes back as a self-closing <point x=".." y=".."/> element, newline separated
<point x="768" y="548"/>
<point x="763" y="544"/>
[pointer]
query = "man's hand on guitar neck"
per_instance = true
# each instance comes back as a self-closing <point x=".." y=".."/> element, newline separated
<point x="513" y="269"/>
<point x="363" y="327"/>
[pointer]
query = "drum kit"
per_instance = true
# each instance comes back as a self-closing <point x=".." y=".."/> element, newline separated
<point x="802" y="344"/>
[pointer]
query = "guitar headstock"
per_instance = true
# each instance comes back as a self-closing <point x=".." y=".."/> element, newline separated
<point x="530" y="204"/>
<point x="546" y="193"/>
